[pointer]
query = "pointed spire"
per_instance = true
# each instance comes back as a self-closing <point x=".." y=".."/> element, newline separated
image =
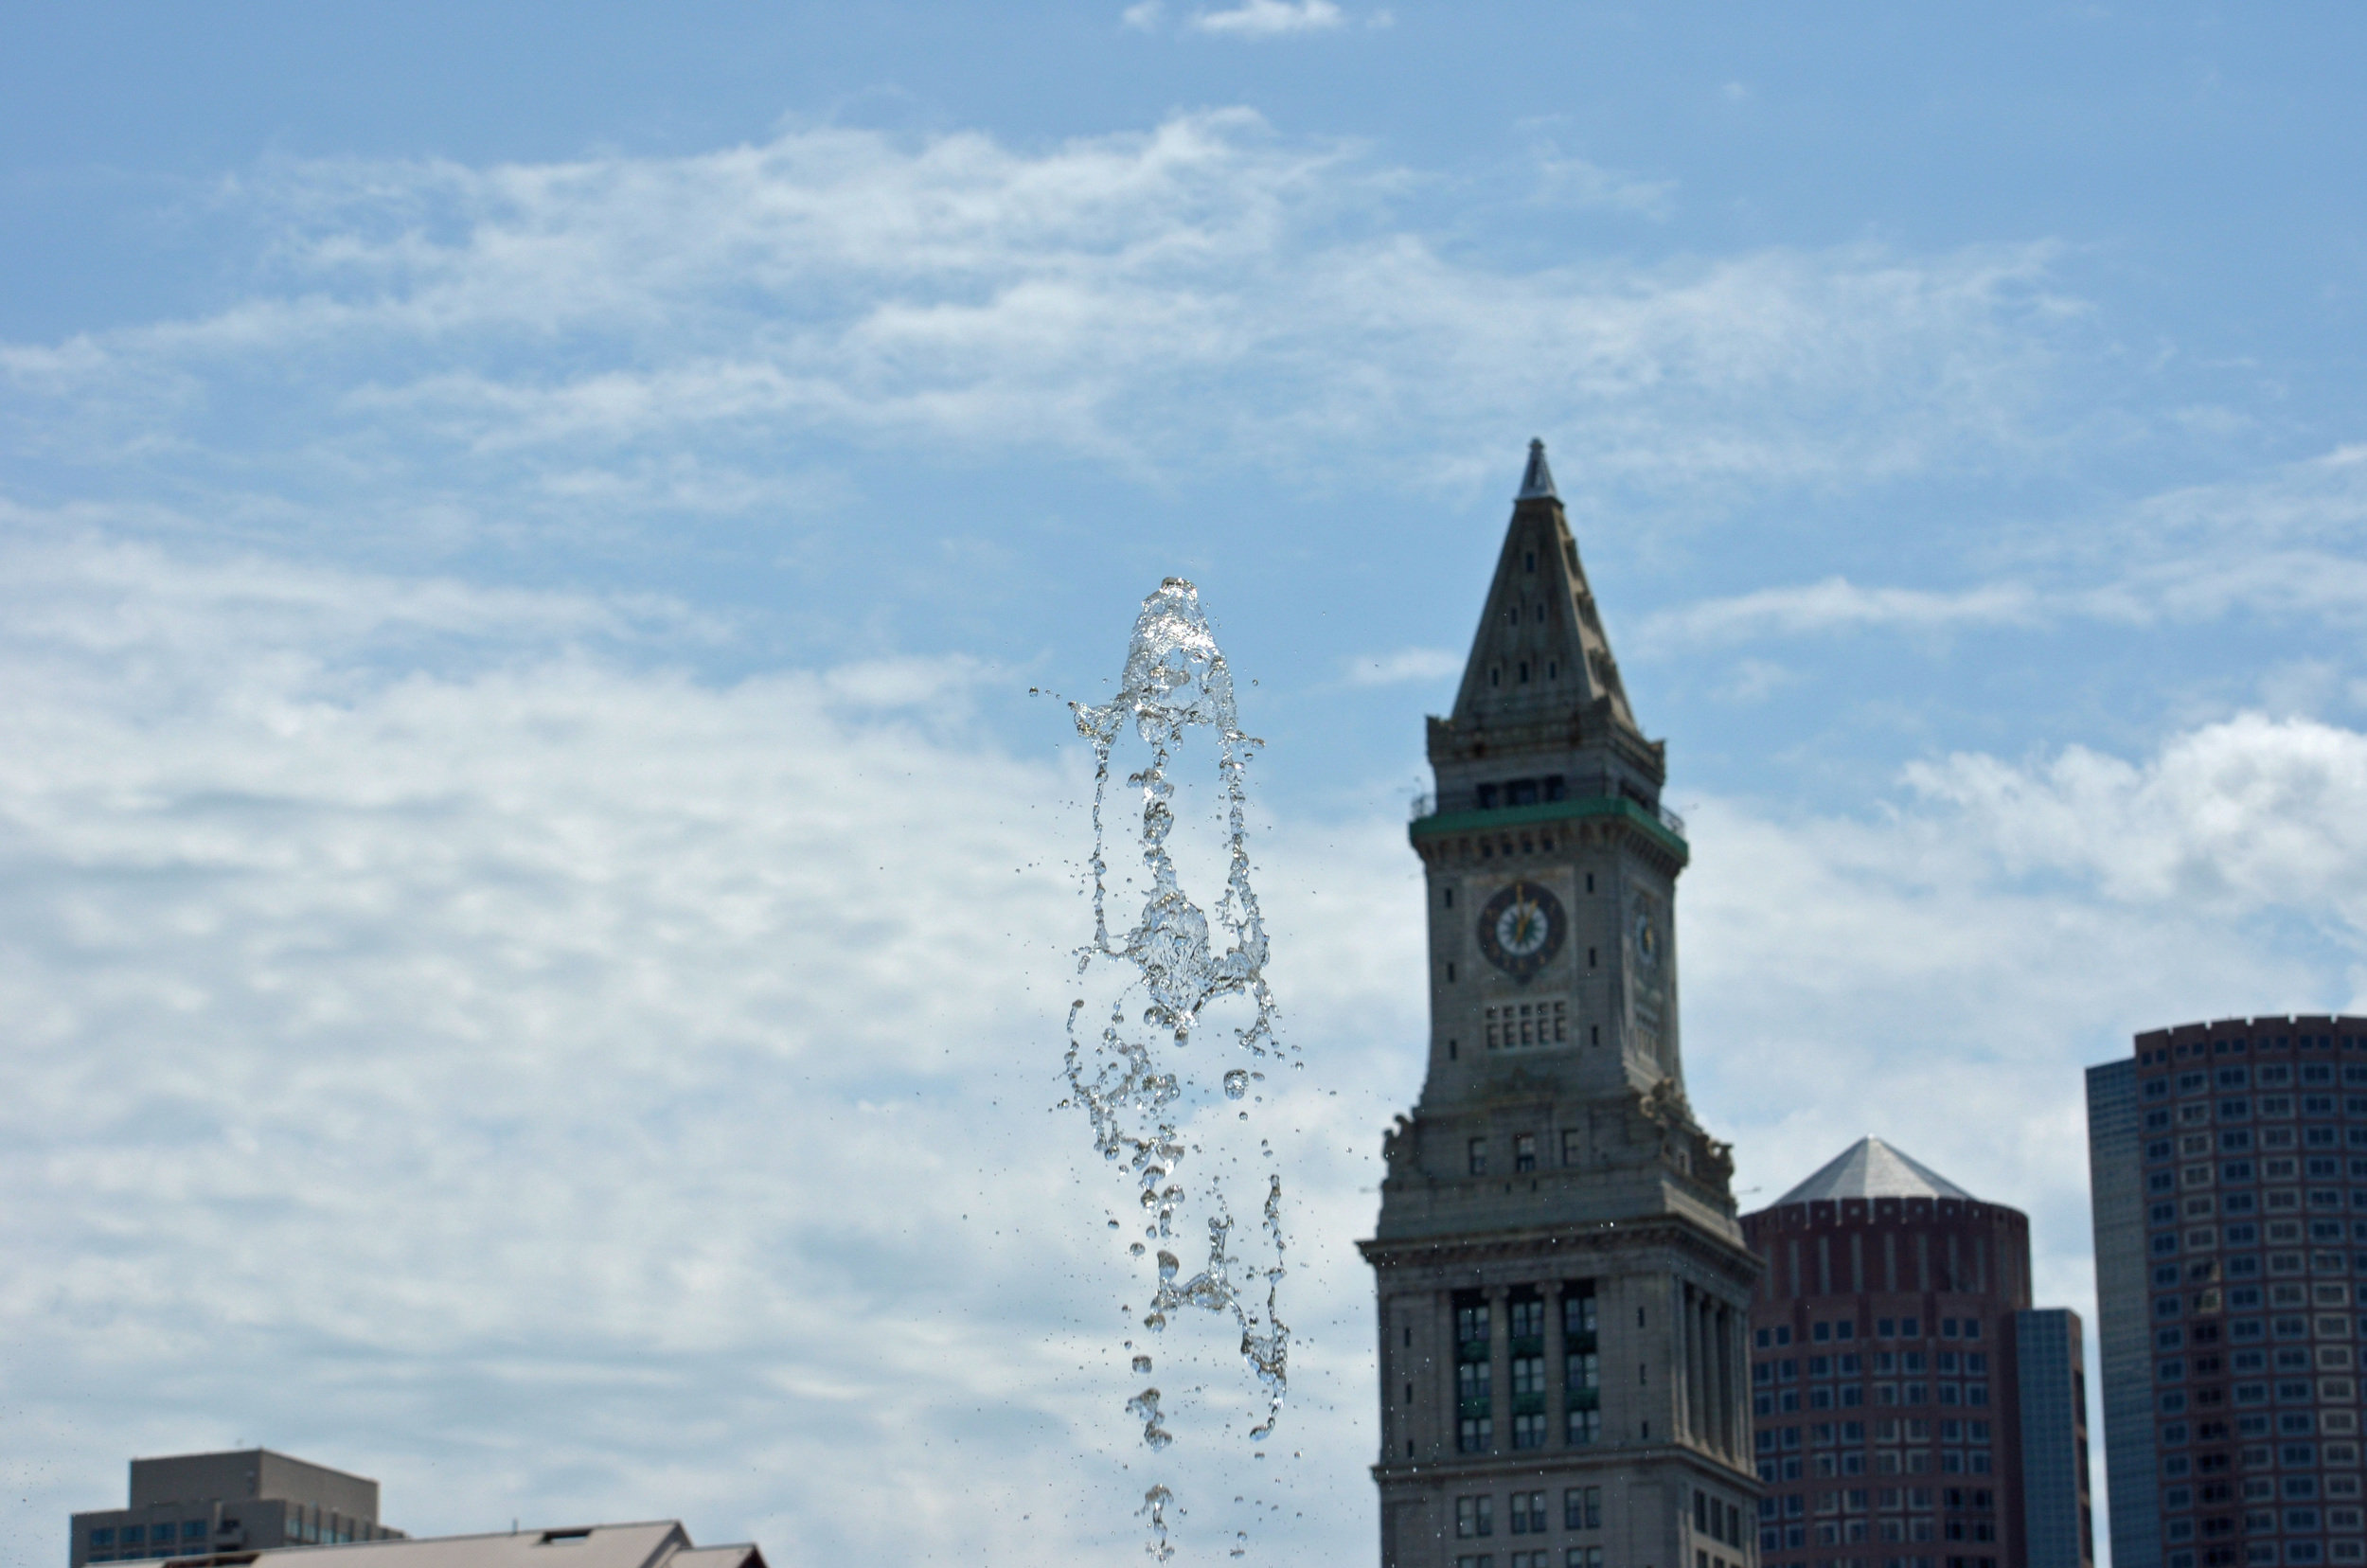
<point x="1539" y="649"/>
<point x="1538" y="483"/>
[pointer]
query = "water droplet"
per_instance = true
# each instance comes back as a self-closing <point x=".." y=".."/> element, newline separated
<point x="1136" y="1250"/>
<point x="1235" y="1083"/>
<point x="1141" y="1363"/>
<point x="1146" y="1406"/>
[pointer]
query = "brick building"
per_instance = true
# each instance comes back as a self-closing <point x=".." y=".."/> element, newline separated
<point x="1911" y="1408"/>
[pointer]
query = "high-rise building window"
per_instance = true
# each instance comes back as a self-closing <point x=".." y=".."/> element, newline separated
<point x="1475" y="1426"/>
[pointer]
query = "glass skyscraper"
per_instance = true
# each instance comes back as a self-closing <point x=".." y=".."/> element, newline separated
<point x="2229" y="1186"/>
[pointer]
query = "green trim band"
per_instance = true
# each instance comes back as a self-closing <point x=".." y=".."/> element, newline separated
<point x="1447" y="824"/>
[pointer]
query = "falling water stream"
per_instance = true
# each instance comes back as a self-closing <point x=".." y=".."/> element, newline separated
<point x="1158" y="1101"/>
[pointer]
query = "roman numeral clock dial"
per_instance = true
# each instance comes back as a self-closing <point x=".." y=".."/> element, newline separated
<point x="1521" y="928"/>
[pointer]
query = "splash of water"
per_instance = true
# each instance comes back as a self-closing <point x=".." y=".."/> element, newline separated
<point x="1155" y="1502"/>
<point x="1130" y="1075"/>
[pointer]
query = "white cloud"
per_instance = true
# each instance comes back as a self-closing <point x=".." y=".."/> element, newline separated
<point x="1141" y="299"/>
<point x="2282" y="544"/>
<point x="1579" y="183"/>
<point x="1839" y="605"/>
<point x="1143" y="14"/>
<point x="1405" y="665"/>
<point x="1270" y="18"/>
<point x="546" y="1082"/>
<point x="1939" y="974"/>
<point x="1756" y="679"/>
<point x="2248" y="813"/>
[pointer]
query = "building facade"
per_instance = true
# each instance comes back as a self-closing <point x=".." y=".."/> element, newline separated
<point x="2228" y="1179"/>
<point x="656" y="1543"/>
<point x="1911" y="1409"/>
<point x="192" y="1505"/>
<point x="1563" y="1289"/>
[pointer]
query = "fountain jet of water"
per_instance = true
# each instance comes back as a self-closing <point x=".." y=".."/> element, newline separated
<point x="1180" y="959"/>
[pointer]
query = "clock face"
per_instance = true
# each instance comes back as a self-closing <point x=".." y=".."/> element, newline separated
<point x="1521" y="929"/>
<point x="1647" y="940"/>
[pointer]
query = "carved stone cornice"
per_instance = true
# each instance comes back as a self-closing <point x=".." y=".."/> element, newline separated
<point x="1727" y="1259"/>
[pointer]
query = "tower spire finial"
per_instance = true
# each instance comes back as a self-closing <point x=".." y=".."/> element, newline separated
<point x="1538" y="483"/>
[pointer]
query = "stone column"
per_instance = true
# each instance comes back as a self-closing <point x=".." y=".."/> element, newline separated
<point x="1729" y="1428"/>
<point x="1689" y="1347"/>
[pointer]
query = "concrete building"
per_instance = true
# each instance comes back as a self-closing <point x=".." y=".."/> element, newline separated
<point x="253" y="1506"/>
<point x="1563" y="1289"/>
<point x="660" y="1543"/>
<point x="1912" y="1409"/>
<point x="2228" y="1177"/>
<point x="248" y="1499"/>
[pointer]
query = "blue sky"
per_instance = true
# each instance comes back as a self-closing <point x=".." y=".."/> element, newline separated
<point x="536" y="888"/>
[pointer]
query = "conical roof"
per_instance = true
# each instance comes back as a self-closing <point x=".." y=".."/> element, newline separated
<point x="1872" y="1168"/>
<point x="1540" y="652"/>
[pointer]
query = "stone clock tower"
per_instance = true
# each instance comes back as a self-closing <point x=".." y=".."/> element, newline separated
<point x="1563" y="1288"/>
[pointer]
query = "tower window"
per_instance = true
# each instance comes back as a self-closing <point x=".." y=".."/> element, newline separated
<point x="1512" y="614"/>
<point x="1539" y="616"/>
<point x="1495" y="675"/>
<point x="1524" y="1152"/>
<point x="1450" y="971"/>
<point x="1552" y="670"/>
<point x="1479" y="1156"/>
<point x="1449" y="897"/>
<point x="1528" y="561"/>
<point x="1523" y="671"/>
<point x="1590" y="881"/>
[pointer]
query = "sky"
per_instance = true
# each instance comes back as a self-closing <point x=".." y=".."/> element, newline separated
<point x="539" y="876"/>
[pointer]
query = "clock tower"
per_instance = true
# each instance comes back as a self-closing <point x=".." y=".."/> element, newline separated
<point x="1563" y="1288"/>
